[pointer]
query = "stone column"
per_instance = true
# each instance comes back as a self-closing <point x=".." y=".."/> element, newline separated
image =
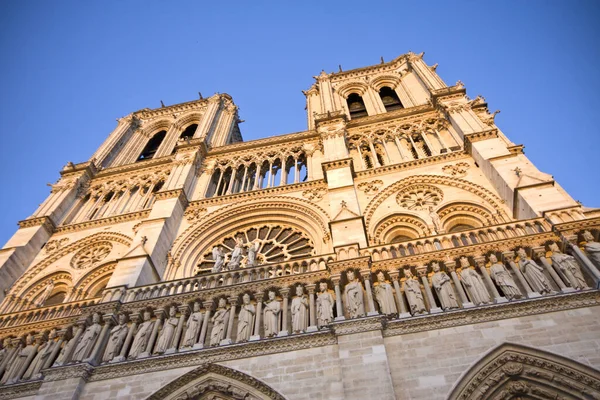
<point x="585" y="262"/>
<point x="399" y="298"/>
<point x="366" y="275"/>
<point x="433" y="308"/>
<point x="183" y="311"/>
<point x="540" y="253"/>
<point x="135" y="318"/>
<point x="480" y="262"/>
<point x="311" y="308"/>
<point x="285" y="292"/>
<point x="233" y="302"/>
<point x="160" y="313"/>
<point x="257" y="317"/>
<point x="96" y="357"/>
<point x="509" y="256"/>
<point x="338" y="298"/>
<point x="451" y="266"/>
<point x="208" y="305"/>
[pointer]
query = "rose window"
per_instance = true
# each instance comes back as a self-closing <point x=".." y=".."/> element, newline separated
<point x="92" y="256"/>
<point x="419" y="197"/>
<point x="275" y="244"/>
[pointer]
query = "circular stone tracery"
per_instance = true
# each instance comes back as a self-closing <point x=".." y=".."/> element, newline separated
<point x="276" y="243"/>
<point x="419" y="197"/>
<point x="91" y="256"/>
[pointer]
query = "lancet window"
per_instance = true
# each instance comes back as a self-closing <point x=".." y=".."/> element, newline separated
<point x="390" y="99"/>
<point x="117" y="197"/>
<point x="152" y="146"/>
<point x="356" y="106"/>
<point x="391" y="145"/>
<point x="259" y="172"/>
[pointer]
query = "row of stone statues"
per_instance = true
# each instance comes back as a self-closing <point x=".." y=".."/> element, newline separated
<point x="236" y="255"/>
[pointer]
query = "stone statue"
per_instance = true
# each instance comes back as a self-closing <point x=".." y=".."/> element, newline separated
<point x="61" y="359"/>
<point x="47" y="290"/>
<point x="299" y="311"/>
<point x="219" y="321"/>
<point x="236" y="254"/>
<point x="435" y="220"/>
<point x="533" y="273"/>
<point x="443" y="287"/>
<point x="142" y="336"/>
<point x="271" y="315"/>
<point x="116" y="339"/>
<point x="192" y="327"/>
<point x="19" y="362"/>
<point x="355" y="305"/>
<point x="592" y="248"/>
<point x="414" y="296"/>
<point x="86" y="343"/>
<point x="5" y="349"/>
<point x="252" y="251"/>
<point x="218" y="258"/>
<point x="167" y="332"/>
<point x="504" y="279"/>
<point x="245" y="319"/>
<point x="324" y="306"/>
<point x="475" y="286"/>
<point x="43" y="354"/>
<point x="569" y="267"/>
<point x="385" y="295"/>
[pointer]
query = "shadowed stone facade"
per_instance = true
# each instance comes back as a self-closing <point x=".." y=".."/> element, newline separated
<point x="401" y="247"/>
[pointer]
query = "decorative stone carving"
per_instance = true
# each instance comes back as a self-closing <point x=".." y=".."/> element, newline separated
<point x="458" y="169"/>
<point x="414" y="295"/>
<point x="271" y="315"/>
<point x="219" y="258"/>
<point x="592" y="248"/>
<point x="20" y="361"/>
<point x="325" y="303"/>
<point x="245" y="319"/>
<point x="569" y="267"/>
<point x="419" y="197"/>
<point x="54" y="245"/>
<point x="443" y="287"/>
<point x="86" y="343"/>
<point x="116" y="339"/>
<point x="47" y="290"/>
<point x="219" y="321"/>
<point x="142" y="336"/>
<point x="370" y="188"/>
<point x="315" y="194"/>
<point x="384" y="294"/>
<point x="533" y="273"/>
<point x="192" y="327"/>
<point x="435" y="220"/>
<point x="253" y="248"/>
<point x="236" y="255"/>
<point x="474" y="283"/>
<point x="195" y="214"/>
<point x="92" y="256"/>
<point x="504" y="279"/>
<point x="168" y="331"/>
<point x="299" y="311"/>
<point x="353" y="293"/>
<point x="43" y="354"/>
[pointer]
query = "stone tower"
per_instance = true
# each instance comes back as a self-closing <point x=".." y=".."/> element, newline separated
<point x="401" y="247"/>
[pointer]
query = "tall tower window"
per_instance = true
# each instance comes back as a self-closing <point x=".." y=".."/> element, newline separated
<point x="390" y="99"/>
<point x="356" y="106"/>
<point x="151" y="147"/>
<point x="188" y="133"/>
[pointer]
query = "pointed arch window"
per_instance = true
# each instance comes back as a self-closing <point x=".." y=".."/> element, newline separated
<point x="152" y="146"/>
<point x="356" y="106"/>
<point x="390" y="99"/>
<point x="188" y="133"/>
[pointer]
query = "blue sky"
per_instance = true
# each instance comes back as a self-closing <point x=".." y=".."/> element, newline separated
<point x="70" y="68"/>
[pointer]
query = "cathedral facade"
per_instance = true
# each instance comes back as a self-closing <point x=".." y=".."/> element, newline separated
<point x="402" y="247"/>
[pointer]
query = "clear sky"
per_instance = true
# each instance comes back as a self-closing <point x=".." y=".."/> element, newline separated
<point x="70" y="68"/>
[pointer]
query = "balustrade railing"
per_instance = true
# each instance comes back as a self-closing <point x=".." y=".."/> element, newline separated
<point x="453" y="240"/>
<point x="62" y="310"/>
<point x="219" y="279"/>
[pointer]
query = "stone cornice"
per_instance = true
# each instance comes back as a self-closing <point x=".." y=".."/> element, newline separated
<point x="296" y="187"/>
<point x="20" y="390"/>
<point x="396" y="115"/>
<point x="301" y="137"/>
<point x="358" y="325"/>
<point x="474" y="137"/>
<point x="117" y="219"/>
<point x="337" y="267"/>
<point x="493" y="312"/>
<point x="87" y="167"/>
<point x="572" y="227"/>
<point x="173" y="193"/>
<point x="371" y="69"/>
<point x="450" y="91"/>
<point x="147" y="113"/>
<point x="413" y="164"/>
<point x="136" y="167"/>
<point x="45" y="222"/>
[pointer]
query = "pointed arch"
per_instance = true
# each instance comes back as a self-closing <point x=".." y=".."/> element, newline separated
<point x="209" y="380"/>
<point x="512" y="370"/>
